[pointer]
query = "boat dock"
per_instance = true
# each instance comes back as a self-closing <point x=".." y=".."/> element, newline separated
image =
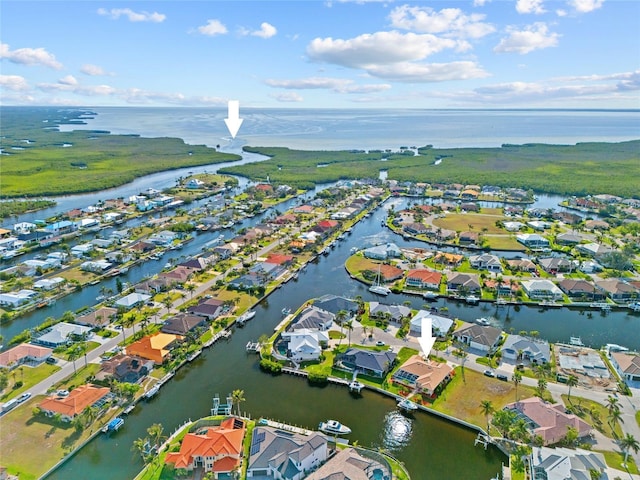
<point x="222" y="408"/>
<point x="253" y="346"/>
<point x="284" y="426"/>
<point x="114" y="425"/>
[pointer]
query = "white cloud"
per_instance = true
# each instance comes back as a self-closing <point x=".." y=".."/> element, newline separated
<point x="116" y="13"/>
<point x="287" y="97"/>
<point x="93" y="70"/>
<point x="13" y="82"/>
<point x="338" y="85"/>
<point x="585" y="6"/>
<point x="377" y="48"/>
<point x="68" y="80"/>
<point x="451" y="22"/>
<point x="428" y="72"/>
<point x="480" y="3"/>
<point x="266" y="31"/>
<point x="533" y="37"/>
<point x="29" y="56"/>
<point x="213" y="28"/>
<point x="530" y="6"/>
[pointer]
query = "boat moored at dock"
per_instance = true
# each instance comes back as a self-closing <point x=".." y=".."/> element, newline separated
<point x="334" y="427"/>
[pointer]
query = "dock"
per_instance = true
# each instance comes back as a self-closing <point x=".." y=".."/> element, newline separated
<point x="253" y="346"/>
<point x="222" y="408"/>
<point x="285" y="427"/>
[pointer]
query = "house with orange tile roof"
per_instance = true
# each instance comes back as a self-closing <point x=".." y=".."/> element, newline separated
<point x="215" y="449"/>
<point x="154" y="347"/>
<point x="423" y="376"/>
<point x="72" y="405"/>
<point x="422" y="278"/>
<point x="549" y="421"/>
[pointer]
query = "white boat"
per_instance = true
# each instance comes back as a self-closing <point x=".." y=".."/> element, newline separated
<point x="501" y="301"/>
<point x="286" y="311"/>
<point x="378" y="288"/>
<point x="635" y="307"/>
<point x="245" y="317"/>
<point x="407" y="405"/>
<point x="152" y="391"/>
<point x="576" y="341"/>
<point x="430" y="295"/>
<point x="334" y="427"/>
<point x="472" y="299"/>
<point x="482" y="321"/>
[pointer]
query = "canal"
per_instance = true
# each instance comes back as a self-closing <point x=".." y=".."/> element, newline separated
<point x="429" y="447"/>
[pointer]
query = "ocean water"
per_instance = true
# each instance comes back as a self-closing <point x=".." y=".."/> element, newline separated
<point x="330" y="129"/>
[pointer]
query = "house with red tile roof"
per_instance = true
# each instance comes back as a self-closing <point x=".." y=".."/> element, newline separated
<point x="423" y="279"/>
<point x="74" y="404"/>
<point x="549" y="421"/>
<point x="280" y="259"/>
<point x="215" y="449"/>
<point x="422" y="375"/>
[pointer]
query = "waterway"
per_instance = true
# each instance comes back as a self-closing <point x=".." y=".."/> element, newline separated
<point x="429" y="447"/>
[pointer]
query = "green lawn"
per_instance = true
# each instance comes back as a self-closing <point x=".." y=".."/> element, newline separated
<point x="615" y="460"/>
<point x="593" y="413"/>
<point x="29" y="376"/>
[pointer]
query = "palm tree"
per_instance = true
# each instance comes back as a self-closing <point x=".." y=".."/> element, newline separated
<point x="167" y="302"/>
<point x="629" y="443"/>
<point x="141" y="445"/>
<point x="349" y="326"/>
<point x="487" y="409"/>
<point x="155" y="433"/>
<point x="238" y="397"/>
<point x="572" y="381"/>
<point x="516" y="379"/>
<point x="542" y="386"/>
<point x="190" y="288"/>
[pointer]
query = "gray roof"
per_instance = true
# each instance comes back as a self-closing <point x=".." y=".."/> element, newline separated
<point x="484" y="335"/>
<point x="273" y="447"/>
<point x="335" y="303"/>
<point x="396" y="311"/>
<point x="312" y="318"/>
<point x="537" y="349"/>
<point x="369" y="359"/>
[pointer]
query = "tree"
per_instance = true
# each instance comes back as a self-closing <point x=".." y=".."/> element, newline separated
<point x="190" y="288"/>
<point x="237" y="397"/>
<point x="349" y="326"/>
<point x="542" y="386"/>
<point x="487" y="409"/>
<point x="627" y="443"/>
<point x="572" y="381"/>
<point x="516" y="379"/>
<point x="141" y="445"/>
<point x="504" y="420"/>
<point x="155" y="433"/>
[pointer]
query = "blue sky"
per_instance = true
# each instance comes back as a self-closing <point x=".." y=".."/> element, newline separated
<point x="308" y="54"/>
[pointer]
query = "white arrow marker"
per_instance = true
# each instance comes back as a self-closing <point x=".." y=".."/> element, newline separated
<point x="233" y="121"/>
<point x="426" y="339"/>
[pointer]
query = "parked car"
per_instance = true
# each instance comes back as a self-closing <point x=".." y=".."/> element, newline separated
<point x="24" y="397"/>
<point x="51" y="360"/>
<point x="503" y="377"/>
<point x="489" y="373"/>
<point x="380" y="343"/>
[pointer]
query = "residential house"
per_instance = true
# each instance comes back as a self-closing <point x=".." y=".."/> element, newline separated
<point x="467" y="282"/>
<point x="522" y="265"/>
<point x="440" y="325"/>
<point x="467" y="238"/>
<point x="194" y="184"/>
<point x="540" y="289"/>
<point x="182" y="324"/>
<point x="628" y="367"/>
<point x="596" y="225"/>
<point x="154" y="347"/>
<point x="549" y="421"/>
<point x="567" y="463"/>
<point x="422" y="376"/>
<point x="72" y="405"/>
<point x="579" y="289"/>
<point x="15" y="299"/>
<point x="62" y="333"/>
<point x="593" y="249"/>
<point x="539" y="225"/>
<point x="353" y="464"/>
<point x="304" y="344"/>
<point x="48" y="283"/>
<point x="101" y="317"/>
<point x="423" y="279"/>
<point x="227" y="250"/>
<point x="555" y="265"/>
<point x="518" y="348"/>
<point x="313" y="318"/>
<point x="24" y="354"/>
<point x="394" y="312"/>
<point x="478" y="337"/>
<point x="216" y="449"/>
<point x="414" y="228"/>
<point x="325" y="227"/>
<point x="617" y="290"/>
<point x="334" y="304"/>
<point x="132" y="300"/>
<point x="384" y="273"/>
<point x="124" y="368"/>
<point x="211" y="308"/>
<point x="279" y="454"/>
<point x="195" y="264"/>
<point x="367" y="362"/>
<point x="383" y="252"/>
<point x="533" y="241"/>
<point x="486" y="261"/>
<point x="513" y="226"/>
<point x="448" y="259"/>
<point x="568" y="239"/>
<point x="567" y="217"/>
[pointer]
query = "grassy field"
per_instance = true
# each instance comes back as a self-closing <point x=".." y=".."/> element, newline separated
<point x="615" y="460"/>
<point x="29" y="376"/>
<point x="561" y="169"/>
<point x="57" y="163"/>
<point x="594" y="414"/>
<point x="457" y="402"/>
<point x="477" y="222"/>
